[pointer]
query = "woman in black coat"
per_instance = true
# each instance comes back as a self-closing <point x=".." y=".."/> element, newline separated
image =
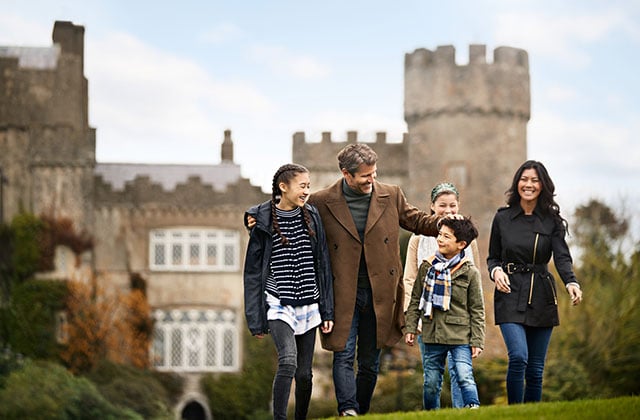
<point x="524" y="237"/>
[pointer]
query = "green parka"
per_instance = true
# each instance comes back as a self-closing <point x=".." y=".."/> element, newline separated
<point x="464" y="322"/>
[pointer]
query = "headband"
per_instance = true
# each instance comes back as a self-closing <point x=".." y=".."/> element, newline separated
<point x="445" y="187"/>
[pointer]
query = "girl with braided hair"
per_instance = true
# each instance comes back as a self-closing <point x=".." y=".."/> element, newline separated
<point x="288" y="285"/>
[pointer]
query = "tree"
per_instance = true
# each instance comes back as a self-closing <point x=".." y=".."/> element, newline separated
<point x="106" y="325"/>
<point x="603" y="334"/>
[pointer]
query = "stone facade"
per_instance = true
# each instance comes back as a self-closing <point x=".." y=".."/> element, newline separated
<point x="47" y="155"/>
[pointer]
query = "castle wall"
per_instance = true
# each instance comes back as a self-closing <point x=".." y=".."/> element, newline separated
<point x="321" y="157"/>
<point x="122" y="246"/>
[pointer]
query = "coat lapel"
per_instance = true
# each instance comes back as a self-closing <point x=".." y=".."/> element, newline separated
<point x="337" y="206"/>
<point x="379" y="202"/>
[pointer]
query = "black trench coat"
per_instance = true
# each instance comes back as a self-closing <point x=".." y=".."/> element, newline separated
<point x="515" y="238"/>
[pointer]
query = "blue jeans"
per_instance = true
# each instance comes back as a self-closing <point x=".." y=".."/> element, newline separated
<point x="433" y="361"/>
<point x="295" y="355"/>
<point x="456" y="393"/>
<point x="355" y="392"/>
<point x="527" y="350"/>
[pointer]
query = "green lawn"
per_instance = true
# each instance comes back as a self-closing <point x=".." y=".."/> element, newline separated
<point x="616" y="408"/>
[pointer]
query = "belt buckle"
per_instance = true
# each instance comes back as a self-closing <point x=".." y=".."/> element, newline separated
<point x="511" y="270"/>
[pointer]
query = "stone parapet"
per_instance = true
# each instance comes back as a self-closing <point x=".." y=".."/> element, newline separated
<point x="435" y="84"/>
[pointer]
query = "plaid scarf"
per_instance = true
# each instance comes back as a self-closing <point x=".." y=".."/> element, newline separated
<point x="436" y="288"/>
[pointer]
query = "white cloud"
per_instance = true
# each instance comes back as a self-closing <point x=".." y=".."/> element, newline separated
<point x="586" y="158"/>
<point x="16" y="31"/>
<point x="222" y="33"/>
<point x="561" y="94"/>
<point x="160" y="107"/>
<point x="282" y="61"/>
<point x="562" y="38"/>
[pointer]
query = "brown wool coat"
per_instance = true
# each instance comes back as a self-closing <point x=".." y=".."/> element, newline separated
<point x="388" y="211"/>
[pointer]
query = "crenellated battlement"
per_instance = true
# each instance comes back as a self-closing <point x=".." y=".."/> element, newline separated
<point x="436" y="85"/>
<point x="320" y="157"/>
<point x="193" y="193"/>
<point x="446" y="55"/>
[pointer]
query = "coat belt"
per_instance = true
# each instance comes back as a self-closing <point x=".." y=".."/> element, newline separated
<point x="511" y="268"/>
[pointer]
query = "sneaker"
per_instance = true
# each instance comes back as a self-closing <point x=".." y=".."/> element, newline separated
<point x="473" y="406"/>
<point x="349" y="413"/>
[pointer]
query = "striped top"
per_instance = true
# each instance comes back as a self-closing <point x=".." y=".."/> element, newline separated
<point x="292" y="278"/>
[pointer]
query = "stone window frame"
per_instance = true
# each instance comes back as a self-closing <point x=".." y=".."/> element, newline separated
<point x="190" y="249"/>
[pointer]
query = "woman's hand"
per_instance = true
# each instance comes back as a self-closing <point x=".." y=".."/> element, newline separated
<point x="575" y="293"/>
<point x="502" y="281"/>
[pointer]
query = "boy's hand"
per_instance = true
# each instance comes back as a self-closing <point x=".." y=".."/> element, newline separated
<point x="409" y="338"/>
<point x="251" y="221"/>
<point x="475" y="352"/>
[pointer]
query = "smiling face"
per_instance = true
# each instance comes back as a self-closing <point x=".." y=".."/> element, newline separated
<point x="445" y="204"/>
<point x="362" y="180"/>
<point x="448" y="244"/>
<point x="295" y="192"/>
<point x="529" y="187"/>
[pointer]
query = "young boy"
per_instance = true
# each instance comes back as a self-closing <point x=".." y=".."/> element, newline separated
<point x="447" y="295"/>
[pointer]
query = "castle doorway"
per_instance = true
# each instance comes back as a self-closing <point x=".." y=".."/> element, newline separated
<point x="193" y="411"/>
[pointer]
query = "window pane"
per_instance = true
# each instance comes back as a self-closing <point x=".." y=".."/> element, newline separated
<point x="158" y="348"/>
<point x="211" y="348"/>
<point x="229" y="259"/>
<point x="212" y="255"/>
<point x="228" y="348"/>
<point x="176" y="347"/>
<point x="158" y="254"/>
<point x="176" y="254"/>
<point x="193" y="347"/>
<point x="194" y="254"/>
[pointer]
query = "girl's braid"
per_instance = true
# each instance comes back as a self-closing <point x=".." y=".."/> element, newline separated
<point x="285" y="174"/>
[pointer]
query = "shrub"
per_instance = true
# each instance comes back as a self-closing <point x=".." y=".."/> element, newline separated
<point x="45" y="390"/>
<point x="32" y="318"/>
<point x="246" y="395"/>
<point x="126" y="386"/>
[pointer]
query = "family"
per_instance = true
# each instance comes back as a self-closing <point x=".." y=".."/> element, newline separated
<point x="331" y="260"/>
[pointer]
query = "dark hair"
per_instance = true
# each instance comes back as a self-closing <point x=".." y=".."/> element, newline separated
<point x="463" y="229"/>
<point x="285" y="174"/>
<point x="546" y="202"/>
<point x="355" y="154"/>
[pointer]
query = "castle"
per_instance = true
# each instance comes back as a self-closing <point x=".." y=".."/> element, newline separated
<point x="180" y="226"/>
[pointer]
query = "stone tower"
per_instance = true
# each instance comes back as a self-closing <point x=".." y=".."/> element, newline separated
<point x="48" y="147"/>
<point x="467" y="124"/>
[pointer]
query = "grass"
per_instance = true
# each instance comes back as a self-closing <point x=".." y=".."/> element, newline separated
<point x="615" y="408"/>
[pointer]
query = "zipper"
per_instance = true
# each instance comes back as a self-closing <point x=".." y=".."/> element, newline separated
<point x="553" y="290"/>
<point x="533" y="273"/>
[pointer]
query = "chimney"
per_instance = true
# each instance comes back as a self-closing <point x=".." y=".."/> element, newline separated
<point x="226" y="150"/>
